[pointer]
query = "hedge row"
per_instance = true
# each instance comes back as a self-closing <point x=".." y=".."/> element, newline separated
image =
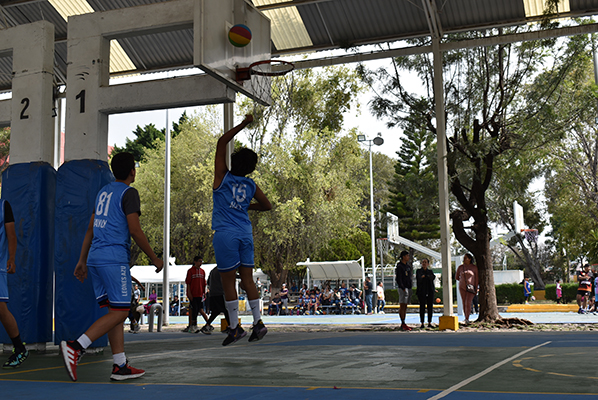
<point x="508" y="293"/>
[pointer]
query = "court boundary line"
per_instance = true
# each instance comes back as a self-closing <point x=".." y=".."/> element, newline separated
<point x="484" y="372"/>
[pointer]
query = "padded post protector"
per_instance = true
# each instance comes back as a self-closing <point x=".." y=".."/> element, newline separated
<point x="30" y="190"/>
<point x="77" y="185"/>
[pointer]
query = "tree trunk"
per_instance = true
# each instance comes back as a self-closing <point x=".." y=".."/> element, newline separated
<point x="487" y="297"/>
<point x="278" y="276"/>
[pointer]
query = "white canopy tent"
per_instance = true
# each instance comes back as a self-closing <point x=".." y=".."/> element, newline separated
<point x="334" y="270"/>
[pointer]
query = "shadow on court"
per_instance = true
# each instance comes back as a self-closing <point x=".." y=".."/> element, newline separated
<point x="332" y="364"/>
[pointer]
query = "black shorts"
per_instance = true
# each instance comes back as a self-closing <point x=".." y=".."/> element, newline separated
<point x="197" y="304"/>
<point x="217" y="304"/>
<point x="583" y="292"/>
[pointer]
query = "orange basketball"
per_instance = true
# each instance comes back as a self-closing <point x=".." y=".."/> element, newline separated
<point x="437" y="300"/>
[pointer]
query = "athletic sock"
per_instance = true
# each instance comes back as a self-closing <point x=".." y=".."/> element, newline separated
<point x="18" y="343"/>
<point x="119" y="359"/>
<point x="84" y="341"/>
<point x="255" y="310"/>
<point x="233" y="312"/>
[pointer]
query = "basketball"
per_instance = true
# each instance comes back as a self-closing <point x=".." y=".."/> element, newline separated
<point x="239" y="35"/>
<point x="437" y="300"/>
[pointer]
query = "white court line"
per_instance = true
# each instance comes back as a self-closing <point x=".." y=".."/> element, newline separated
<point x="484" y="372"/>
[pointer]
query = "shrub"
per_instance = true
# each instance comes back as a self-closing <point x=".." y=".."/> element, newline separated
<point x="569" y="292"/>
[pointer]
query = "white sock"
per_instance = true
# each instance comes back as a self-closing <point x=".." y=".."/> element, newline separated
<point x="255" y="310"/>
<point x="84" y="341"/>
<point x="119" y="359"/>
<point x="233" y="312"/>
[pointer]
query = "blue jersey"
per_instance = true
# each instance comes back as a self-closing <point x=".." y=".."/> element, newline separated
<point x="111" y="242"/>
<point x="231" y="202"/>
<point x="3" y="240"/>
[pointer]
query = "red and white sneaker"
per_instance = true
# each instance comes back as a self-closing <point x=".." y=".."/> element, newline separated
<point x="405" y="327"/>
<point x="125" y="372"/>
<point x="71" y="356"/>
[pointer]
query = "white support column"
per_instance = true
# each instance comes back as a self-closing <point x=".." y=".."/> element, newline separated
<point x="32" y="127"/>
<point x="443" y="181"/>
<point x="166" y="241"/>
<point x="88" y="70"/>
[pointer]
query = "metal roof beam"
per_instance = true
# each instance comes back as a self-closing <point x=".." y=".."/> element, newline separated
<point x="447" y="46"/>
<point x="292" y="3"/>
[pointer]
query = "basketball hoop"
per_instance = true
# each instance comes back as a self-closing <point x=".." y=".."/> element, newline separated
<point x="383" y="245"/>
<point x="531" y="235"/>
<point x="270" y="79"/>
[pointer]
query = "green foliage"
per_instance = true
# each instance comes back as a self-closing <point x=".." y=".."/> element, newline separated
<point x="149" y="138"/>
<point x="192" y="174"/>
<point x="414" y="188"/>
<point x="510" y="293"/>
<point x="349" y="248"/>
<point x="4" y="149"/>
<point x="569" y="292"/>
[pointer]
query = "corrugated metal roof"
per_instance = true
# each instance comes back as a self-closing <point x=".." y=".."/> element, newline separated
<point x="327" y="24"/>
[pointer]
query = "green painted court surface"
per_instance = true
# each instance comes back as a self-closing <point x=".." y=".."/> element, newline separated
<point x="311" y="362"/>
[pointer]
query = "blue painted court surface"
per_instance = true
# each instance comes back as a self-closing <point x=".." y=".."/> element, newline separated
<point x="327" y="361"/>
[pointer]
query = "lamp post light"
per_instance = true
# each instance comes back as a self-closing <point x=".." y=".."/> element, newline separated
<point x="378" y="141"/>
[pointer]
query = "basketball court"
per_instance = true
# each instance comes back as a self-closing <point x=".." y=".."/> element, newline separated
<point x="316" y="364"/>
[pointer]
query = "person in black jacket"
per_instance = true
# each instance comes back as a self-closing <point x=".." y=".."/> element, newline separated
<point x="424" y="278"/>
<point x="403" y="273"/>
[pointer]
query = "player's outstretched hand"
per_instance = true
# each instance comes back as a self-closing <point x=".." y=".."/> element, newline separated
<point x="81" y="271"/>
<point x="248" y="119"/>
<point x="159" y="264"/>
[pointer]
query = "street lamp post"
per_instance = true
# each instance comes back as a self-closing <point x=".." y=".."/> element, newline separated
<point x="378" y="141"/>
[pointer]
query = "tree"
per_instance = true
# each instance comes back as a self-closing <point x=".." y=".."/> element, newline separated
<point x="486" y="115"/>
<point x="192" y="174"/>
<point x="414" y="188"/>
<point x="310" y="172"/>
<point x="149" y="137"/>
<point x="4" y="149"/>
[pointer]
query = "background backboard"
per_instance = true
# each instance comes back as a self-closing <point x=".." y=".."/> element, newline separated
<point x="215" y="55"/>
<point x="518" y="214"/>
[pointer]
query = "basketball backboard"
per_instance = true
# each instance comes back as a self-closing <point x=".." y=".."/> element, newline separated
<point x="215" y="55"/>
<point x="518" y="215"/>
<point x="392" y="227"/>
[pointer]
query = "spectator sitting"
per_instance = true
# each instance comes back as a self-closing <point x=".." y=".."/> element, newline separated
<point x="275" y="304"/>
<point x="153" y="299"/>
<point x="313" y="304"/>
<point x="174" y="306"/>
<point x="294" y="288"/>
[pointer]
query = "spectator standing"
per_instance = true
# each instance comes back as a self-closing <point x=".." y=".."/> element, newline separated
<point x="284" y="297"/>
<point x="559" y="291"/>
<point x="369" y="294"/>
<point x="8" y="250"/>
<point x="467" y="275"/>
<point x="527" y="290"/>
<point x="584" y="277"/>
<point x="381" y="297"/>
<point x="424" y="278"/>
<point x="196" y="290"/>
<point x="217" y="305"/>
<point x="403" y="273"/>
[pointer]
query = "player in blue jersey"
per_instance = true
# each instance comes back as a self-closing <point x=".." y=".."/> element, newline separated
<point x="8" y="250"/>
<point x="105" y="256"/>
<point x="233" y="237"/>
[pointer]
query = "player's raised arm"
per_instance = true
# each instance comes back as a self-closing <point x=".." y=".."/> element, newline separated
<point x="220" y="168"/>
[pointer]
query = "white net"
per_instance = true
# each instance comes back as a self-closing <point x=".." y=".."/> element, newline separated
<point x="275" y="90"/>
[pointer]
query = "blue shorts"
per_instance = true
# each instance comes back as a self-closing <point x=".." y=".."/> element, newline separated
<point x="233" y="250"/>
<point x="4" y="287"/>
<point x="112" y="286"/>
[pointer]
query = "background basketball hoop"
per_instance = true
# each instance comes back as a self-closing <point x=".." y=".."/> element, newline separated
<point x="531" y="235"/>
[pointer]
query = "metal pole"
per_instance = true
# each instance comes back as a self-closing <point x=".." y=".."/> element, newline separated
<point x="443" y="193"/>
<point x="166" y="244"/>
<point x="372" y="219"/>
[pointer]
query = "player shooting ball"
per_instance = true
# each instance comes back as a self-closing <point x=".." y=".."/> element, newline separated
<point x="233" y="238"/>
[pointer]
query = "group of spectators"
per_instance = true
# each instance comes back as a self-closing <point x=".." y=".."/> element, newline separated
<point x="314" y="301"/>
